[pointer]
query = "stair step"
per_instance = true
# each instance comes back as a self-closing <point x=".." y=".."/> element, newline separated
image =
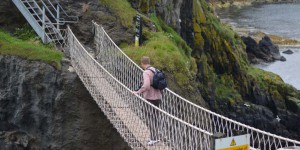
<point x="52" y="33"/>
<point x="34" y="7"/>
<point x="50" y="24"/>
<point x="46" y="21"/>
<point x="42" y="20"/>
<point x="56" y="39"/>
<point x="28" y="1"/>
<point x="36" y="13"/>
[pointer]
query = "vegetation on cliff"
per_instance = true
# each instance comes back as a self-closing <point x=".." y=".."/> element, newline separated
<point x="30" y="49"/>
<point x="216" y="58"/>
<point x="228" y="81"/>
<point x="122" y="10"/>
<point x="167" y="50"/>
<point x="221" y="53"/>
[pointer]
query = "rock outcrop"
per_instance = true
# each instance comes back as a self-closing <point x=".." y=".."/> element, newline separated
<point x="265" y="50"/>
<point x="43" y="108"/>
<point x="171" y="17"/>
<point x="288" y="52"/>
<point x="96" y="10"/>
<point x="267" y="46"/>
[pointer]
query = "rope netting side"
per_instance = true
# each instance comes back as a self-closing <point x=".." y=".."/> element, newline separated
<point x="131" y="115"/>
<point x="116" y="62"/>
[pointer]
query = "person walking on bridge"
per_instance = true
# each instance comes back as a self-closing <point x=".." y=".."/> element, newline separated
<point x="152" y="95"/>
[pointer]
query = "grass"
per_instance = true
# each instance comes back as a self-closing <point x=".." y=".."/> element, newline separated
<point x="31" y="50"/>
<point x="122" y="9"/>
<point x="224" y="93"/>
<point x="164" y="55"/>
<point x="264" y="78"/>
<point x="25" y="33"/>
<point x="168" y="52"/>
<point x="226" y="89"/>
<point x="224" y="30"/>
<point x="173" y="35"/>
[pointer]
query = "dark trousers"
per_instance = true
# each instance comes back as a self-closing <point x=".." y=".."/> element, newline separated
<point x="152" y="120"/>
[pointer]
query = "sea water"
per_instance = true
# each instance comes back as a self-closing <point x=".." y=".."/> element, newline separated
<point x="277" y="19"/>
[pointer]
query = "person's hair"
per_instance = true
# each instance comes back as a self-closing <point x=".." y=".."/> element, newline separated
<point x="145" y="60"/>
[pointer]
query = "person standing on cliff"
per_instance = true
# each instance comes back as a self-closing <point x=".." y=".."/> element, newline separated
<point x="152" y="95"/>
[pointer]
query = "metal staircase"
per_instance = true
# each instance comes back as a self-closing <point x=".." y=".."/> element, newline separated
<point x="45" y="17"/>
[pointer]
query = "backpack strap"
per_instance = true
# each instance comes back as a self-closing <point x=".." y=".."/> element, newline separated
<point x="151" y="71"/>
<point x="148" y="68"/>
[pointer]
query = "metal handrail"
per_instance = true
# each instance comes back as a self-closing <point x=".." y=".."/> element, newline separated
<point x="52" y="15"/>
<point x="39" y="18"/>
<point x="61" y="8"/>
<point x="60" y="21"/>
<point x="77" y="18"/>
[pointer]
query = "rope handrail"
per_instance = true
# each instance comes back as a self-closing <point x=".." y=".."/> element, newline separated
<point x="89" y="55"/>
<point x="129" y="73"/>
<point x="128" y="112"/>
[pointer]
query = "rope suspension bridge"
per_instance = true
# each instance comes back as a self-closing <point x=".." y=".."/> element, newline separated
<point x="109" y="76"/>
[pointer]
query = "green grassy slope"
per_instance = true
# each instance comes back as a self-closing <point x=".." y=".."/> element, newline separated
<point x="30" y="49"/>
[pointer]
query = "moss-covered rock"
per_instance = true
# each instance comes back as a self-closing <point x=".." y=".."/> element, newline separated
<point x="199" y="16"/>
<point x="144" y="6"/>
<point x="293" y="104"/>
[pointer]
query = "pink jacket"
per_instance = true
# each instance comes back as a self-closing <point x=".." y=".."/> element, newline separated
<point x="148" y="91"/>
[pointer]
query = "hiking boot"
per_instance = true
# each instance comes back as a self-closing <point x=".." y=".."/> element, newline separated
<point x="151" y="142"/>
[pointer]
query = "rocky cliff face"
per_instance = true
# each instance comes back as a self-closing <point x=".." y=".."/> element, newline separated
<point x="170" y="11"/>
<point x="98" y="11"/>
<point x="42" y="108"/>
